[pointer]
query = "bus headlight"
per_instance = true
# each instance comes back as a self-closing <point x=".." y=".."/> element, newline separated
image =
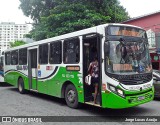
<point x="116" y="90"/>
<point x="120" y="92"/>
<point x="103" y="87"/>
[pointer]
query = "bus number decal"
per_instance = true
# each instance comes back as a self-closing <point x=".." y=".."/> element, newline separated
<point x="67" y="76"/>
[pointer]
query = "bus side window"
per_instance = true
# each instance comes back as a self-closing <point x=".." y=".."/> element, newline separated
<point x="14" y="57"/>
<point x="55" y="53"/>
<point x="23" y="56"/>
<point x="43" y="54"/>
<point x="71" y="51"/>
<point x="8" y="58"/>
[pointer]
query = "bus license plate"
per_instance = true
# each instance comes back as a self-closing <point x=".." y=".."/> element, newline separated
<point x="141" y="98"/>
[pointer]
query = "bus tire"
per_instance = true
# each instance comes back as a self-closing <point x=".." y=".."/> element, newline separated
<point x="21" y="86"/>
<point x="71" y="96"/>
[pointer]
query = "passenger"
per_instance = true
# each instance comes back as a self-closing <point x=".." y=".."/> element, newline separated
<point x="135" y="64"/>
<point x="93" y="70"/>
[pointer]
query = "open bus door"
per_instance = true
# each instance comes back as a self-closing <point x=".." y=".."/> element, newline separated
<point x="32" y="68"/>
<point x="91" y="49"/>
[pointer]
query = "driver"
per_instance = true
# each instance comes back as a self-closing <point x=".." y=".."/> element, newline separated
<point x="135" y="64"/>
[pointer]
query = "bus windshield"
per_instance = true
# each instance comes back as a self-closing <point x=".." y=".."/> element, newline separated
<point x="127" y="57"/>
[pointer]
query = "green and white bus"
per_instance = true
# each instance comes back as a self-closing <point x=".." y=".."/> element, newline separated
<point x="57" y="66"/>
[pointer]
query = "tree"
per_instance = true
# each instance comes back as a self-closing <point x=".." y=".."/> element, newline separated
<point x="69" y="17"/>
<point x="64" y="16"/>
<point x="17" y="43"/>
<point x="38" y="32"/>
<point x="36" y="8"/>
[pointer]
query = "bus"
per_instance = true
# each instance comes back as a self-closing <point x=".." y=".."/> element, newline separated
<point x="58" y="66"/>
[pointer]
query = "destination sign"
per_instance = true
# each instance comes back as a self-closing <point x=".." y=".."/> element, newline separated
<point x="122" y="67"/>
<point x="126" y="31"/>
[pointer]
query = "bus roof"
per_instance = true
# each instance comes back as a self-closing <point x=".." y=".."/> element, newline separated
<point x="69" y="35"/>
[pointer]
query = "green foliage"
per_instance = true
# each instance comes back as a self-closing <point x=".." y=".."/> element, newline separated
<point x="17" y="43"/>
<point x="69" y="17"/>
<point x="38" y="32"/>
<point x="36" y="8"/>
<point x="56" y="17"/>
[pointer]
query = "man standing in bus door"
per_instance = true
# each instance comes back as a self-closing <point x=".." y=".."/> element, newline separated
<point x="93" y="70"/>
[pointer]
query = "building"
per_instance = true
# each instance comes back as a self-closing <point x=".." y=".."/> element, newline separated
<point x="9" y="32"/>
<point x="151" y="23"/>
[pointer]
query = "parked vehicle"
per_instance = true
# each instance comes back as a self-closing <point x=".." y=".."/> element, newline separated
<point x="1" y="69"/>
<point x="156" y="82"/>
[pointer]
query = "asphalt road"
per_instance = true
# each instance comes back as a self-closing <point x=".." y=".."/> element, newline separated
<point x="12" y="103"/>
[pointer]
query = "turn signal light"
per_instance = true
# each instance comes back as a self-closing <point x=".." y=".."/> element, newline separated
<point x="103" y="87"/>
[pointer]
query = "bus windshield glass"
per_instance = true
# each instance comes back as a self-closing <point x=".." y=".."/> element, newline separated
<point x="126" y="57"/>
<point x="126" y="31"/>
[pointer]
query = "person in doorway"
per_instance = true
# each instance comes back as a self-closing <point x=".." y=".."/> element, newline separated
<point x="93" y="70"/>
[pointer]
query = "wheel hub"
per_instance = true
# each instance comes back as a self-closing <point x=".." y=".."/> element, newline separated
<point x="71" y="96"/>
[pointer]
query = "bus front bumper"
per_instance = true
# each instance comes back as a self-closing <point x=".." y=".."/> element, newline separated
<point x="112" y="100"/>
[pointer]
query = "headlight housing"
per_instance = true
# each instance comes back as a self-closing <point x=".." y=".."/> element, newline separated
<point x="112" y="88"/>
<point x="116" y="90"/>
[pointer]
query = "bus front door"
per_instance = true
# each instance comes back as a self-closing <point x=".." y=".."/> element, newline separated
<point x="32" y="69"/>
<point x="91" y="49"/>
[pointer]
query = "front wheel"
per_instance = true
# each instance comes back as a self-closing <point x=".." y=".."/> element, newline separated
<point x="21" y="86"/>
<point x="71" y="96"/>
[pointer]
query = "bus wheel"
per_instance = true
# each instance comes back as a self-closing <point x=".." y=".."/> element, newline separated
<point x="71" y="96"/>
<point x="21" y="86"/>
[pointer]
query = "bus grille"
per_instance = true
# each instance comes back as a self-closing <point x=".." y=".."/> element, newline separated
<point x="133" y="79"/>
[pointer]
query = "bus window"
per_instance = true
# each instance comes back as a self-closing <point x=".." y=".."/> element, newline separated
<point x="43" y="54"/>
<point x="55" y="53"/>
<point x="1" y="63"/>
<point x="8" y="58"/>
<point x="1" y="60"/>
<point x="14" y="57"/>
<point x="71" y="51"/>
<point x="23" y="56"/>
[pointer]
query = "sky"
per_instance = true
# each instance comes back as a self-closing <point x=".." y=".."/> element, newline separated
<point x="137" y="8"/>
<point x="9" y="12"/>
<point x="9" y="9"/>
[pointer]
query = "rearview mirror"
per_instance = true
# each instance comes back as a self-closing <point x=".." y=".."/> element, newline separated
<point x="154" y="78"/>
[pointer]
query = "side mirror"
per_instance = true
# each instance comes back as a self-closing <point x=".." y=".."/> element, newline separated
<point x="106" y="48"/>
<point x="155" y="79"/>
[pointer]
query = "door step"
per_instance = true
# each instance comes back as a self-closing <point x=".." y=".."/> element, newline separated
<point x="33" y="90"/>
<point x="92" y="103"/>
